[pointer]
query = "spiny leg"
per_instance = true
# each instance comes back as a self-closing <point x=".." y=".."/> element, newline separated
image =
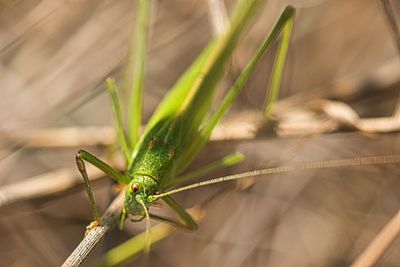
<point x="82" y="156"/>
<point x="188" y="221"/>
<point x="167" y="220"/>
<point x="89" y="191"/>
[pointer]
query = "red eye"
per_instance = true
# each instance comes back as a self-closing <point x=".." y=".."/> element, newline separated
<point x="135" y="188"/>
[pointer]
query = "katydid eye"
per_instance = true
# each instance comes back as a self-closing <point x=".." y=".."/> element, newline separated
<point x="135" y="188"/>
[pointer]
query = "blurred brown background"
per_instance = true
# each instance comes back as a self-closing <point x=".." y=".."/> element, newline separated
<point x="55" y="56"/>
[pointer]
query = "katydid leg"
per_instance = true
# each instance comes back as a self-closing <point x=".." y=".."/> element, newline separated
<point x="187" y="220"/>
<point x="82" y="156"/>
<point x="167" y="220"/>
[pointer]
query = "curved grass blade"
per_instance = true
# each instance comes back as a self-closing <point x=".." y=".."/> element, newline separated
<point x="196" y="107"/>
<point x="190" y="99"/>
<point x="121" y="136"/>
<point x="284" y="22"/>
<point x="138" y="56"/>
<point x="279" y="65"/>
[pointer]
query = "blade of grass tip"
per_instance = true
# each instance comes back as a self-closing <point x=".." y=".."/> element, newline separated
<point x="121" y="136"/>
<point x="278" y="68"/>
<point x="286" y="18"/>
<point x="138" y="56"/>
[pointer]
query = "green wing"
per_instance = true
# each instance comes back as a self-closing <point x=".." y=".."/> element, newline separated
<point x="189" y="101"/>
<point x="285" y="23"/>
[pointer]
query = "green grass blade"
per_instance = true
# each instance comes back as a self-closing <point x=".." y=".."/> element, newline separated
<point x="279" y="67"/>
<point x="285" y="19"/>
<point x="121" y="136"/>
<point x="139" y="57"/>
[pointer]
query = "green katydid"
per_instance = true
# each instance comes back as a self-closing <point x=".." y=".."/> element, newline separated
<point x="182" y="125"/>
<point x="174" y="136"/>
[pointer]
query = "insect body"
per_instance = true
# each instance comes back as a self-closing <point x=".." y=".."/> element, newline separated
<point x="181" y="125"/>
<point x="150" y="169"/>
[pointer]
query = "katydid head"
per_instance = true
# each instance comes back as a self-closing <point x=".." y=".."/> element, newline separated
<point x="137" y="203"/>
<point x="136" y="195"/>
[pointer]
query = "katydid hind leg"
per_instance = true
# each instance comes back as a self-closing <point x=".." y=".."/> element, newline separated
<point x="168" y="220"/>
<point x="187" y="220"/>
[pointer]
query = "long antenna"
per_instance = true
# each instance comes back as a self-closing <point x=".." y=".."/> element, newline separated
<point x="360" y="161"/>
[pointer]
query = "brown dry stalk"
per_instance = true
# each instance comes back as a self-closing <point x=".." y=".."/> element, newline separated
<point x="44" y="185"/>
<point x="245" y="128"/>
<point x="380" y="244"/>
<point x="308" y="120"/>
<point x="94" y="236"/>
<point x="71" y="137"/>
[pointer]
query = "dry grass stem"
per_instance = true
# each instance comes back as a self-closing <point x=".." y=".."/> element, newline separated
<point x="44" y="185"/>
<point x="58" y="181"/>
<point x="323" y="115"/>
<point x="71" y="137"/>
<point x="380" y="244"/>
<point x="243" y="128"/>
<point x="94" y="236"/>
<point x="294" y="117"/>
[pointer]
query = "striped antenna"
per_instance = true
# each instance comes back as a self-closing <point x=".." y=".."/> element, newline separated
<point x="360" y="161"/>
